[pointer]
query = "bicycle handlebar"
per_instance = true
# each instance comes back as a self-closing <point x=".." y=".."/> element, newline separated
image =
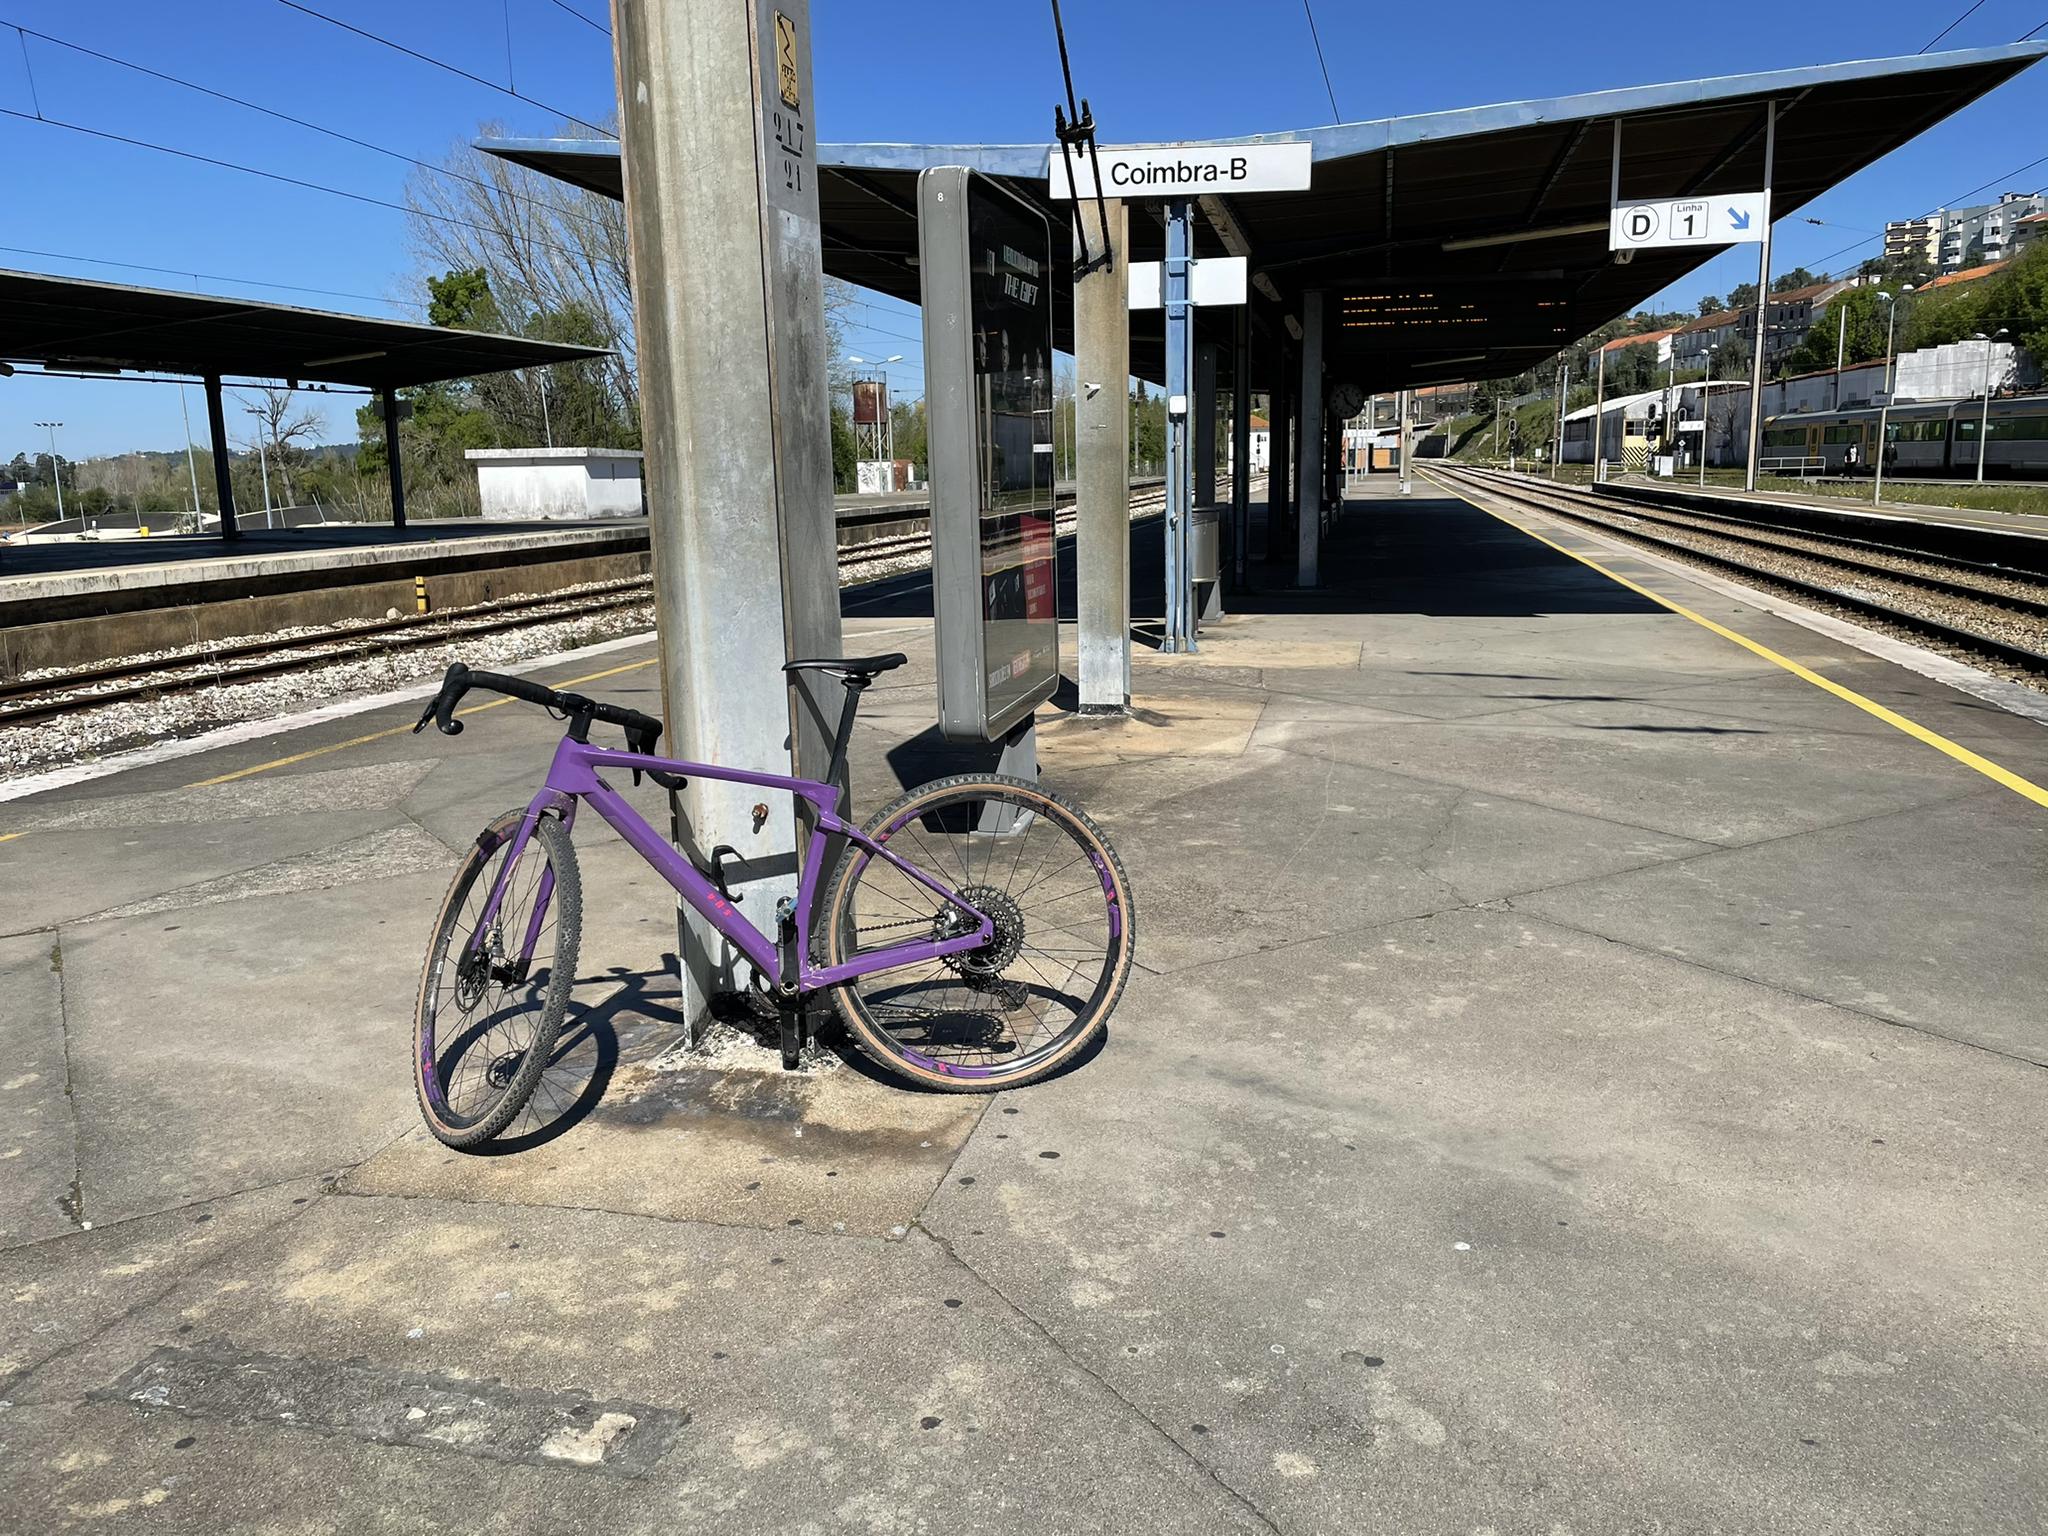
<point x="642" y="731"/>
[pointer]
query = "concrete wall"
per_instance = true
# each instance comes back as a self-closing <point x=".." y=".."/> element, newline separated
<point x="562" y="482"/>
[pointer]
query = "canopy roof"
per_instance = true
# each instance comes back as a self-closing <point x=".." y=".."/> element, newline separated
<point x="1464" y="244"/>
<point x="64" y="322"/>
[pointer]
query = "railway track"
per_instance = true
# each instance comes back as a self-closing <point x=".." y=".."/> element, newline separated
<point x="26" y="702"/>
<point x="1982" y="608"/>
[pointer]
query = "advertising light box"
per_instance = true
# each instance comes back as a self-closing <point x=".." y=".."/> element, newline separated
<point x="985" y="274"/>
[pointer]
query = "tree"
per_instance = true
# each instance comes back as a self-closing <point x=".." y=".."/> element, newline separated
<point x="285" y="433"/>
<point x="1798" y="277"/>
<point x="1710" y="304"/>
<point x="1863" y="341"/>
<point x="1742" y="296"/>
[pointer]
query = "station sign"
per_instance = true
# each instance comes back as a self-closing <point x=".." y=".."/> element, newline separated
<point x="1729" y="218"/>
<point x="985" y="277"/>
<point x="1186" y="170"/>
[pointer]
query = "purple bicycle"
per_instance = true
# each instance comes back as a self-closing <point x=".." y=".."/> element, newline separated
<point x="975" y="934"/>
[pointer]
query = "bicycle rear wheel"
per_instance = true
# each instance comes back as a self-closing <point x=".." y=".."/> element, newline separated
<point x="1027" y="1002"/>
<point x="492" y="996"/>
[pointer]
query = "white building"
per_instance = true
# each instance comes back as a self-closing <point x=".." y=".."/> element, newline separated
<point x="521" y="483"/>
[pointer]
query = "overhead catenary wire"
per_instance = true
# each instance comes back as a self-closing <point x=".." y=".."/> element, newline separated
<point x="1944" y="32"/>
<point x="443" y="64"/>
<point x="279" y="176"/>
<point x="208" y="277"/>
<point x="595" y="26"/>
<point x="1316" y="38"/>
<point x="283" y="117"/>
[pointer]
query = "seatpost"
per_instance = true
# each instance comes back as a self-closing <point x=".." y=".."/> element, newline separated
<point x="854" y="686"/>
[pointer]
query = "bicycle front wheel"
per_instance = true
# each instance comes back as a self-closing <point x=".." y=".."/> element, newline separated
<point x="1028" y="1001"/>
<point x="493" y="994"/>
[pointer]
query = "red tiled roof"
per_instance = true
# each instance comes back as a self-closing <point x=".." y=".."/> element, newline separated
<point x="1713" y="322"/>
<point x="1623" y="343"/>
<point x="1967" y="275"/>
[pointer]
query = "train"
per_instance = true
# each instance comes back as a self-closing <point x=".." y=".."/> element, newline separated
<point x="1933" y="438"/>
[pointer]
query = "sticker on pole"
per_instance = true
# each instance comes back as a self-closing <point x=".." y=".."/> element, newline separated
<point x="1731" y="218"/>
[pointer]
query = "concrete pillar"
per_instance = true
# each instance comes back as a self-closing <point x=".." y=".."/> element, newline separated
<point x="1102" y="415"/>
<point x="1309" y="534"/>
<point x="1205" y="424"/>
<point x="1240" y="444"/>
<point x="719" y="136"/>
<point x="223" y="476"/>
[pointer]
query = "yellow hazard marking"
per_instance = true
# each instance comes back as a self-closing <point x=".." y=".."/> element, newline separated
<point x="398" y="730"/>
<point x="2005" y="776"/>
<point x="8" y="837"/>
<point x="785" y="59"/>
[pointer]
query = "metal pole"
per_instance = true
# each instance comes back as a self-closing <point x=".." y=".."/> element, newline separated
<point x="1706" y="415"/>
<point x="1401" y="437"/>
<point x="1884" y="413"/>
<point x="1763" y="305"/>
<point x="191" y="463"/>
<point x="56" y="474"/>
<point x="394" y="456"/>
<point x="1600" y="419"/>
<point x="1179" y="386"/>
<point x="1983" y="423"/>
<point x="547" y="423"/>
<point x="1841" y="342"/>
<point x="1564" y="382"/>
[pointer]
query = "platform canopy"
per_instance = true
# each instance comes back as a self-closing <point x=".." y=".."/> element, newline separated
<point x="66" y="323"/>
<point x="1452" y="245"/>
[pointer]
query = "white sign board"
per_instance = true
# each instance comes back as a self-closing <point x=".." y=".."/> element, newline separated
<point x="1692" y="426"/>
<point x="1211" y="280"/>
<point x="1733" y="218"/>
<point x="1185" y="170"/>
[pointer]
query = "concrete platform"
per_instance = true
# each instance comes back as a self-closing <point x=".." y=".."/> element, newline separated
<point x="1581" y="1077"/>
<point x="1852" y="504"/>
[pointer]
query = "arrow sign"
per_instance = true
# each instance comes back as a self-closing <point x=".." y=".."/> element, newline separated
<point x="1732" y="218"/>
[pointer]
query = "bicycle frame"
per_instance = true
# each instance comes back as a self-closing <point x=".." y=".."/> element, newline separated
<point x="573" y="777"/>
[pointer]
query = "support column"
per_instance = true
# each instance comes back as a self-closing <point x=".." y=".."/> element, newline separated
<point x="1401" y="437"/>
<point x="1205" y="424"/>
<point x="722" y="209"/>
<point x="223" y="473"/>
<point x="1240" y="445"/>
<point x="1763" y="312"/>
<point x="395" y="456"/>
<point x="1102" y="415"/>
<point x="1180" y="628"/>
<point x="1308" y="546"/>
<point x="1279" y="531"/>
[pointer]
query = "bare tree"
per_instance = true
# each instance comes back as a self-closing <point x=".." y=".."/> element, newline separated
<point x="554" y="255"/>
<point x="286" y="431"/>
<point x="550" y="250"/>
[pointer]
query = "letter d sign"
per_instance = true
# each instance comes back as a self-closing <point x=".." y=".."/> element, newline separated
<point x="1639" y="225"/>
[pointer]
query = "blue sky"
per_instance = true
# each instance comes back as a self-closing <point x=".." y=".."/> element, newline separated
<point x="912" y="71"/>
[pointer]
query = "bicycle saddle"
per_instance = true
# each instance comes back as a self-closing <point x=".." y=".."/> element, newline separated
<point x="848" y="666"/>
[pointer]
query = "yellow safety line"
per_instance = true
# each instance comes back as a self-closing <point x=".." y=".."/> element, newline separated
<point x="2005" y="776"/>
<point x="8" y="837"/>
<point x="398" y="730"/>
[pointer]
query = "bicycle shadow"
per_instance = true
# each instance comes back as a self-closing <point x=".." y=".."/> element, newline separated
<point x="641" y="1019"/>
<point x="639" y="1016"/>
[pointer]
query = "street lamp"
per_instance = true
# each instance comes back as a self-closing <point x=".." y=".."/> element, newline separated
<point x="263" y="462"/>
<point x="1984" y="423"/>
<point x="55" y="477"/>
